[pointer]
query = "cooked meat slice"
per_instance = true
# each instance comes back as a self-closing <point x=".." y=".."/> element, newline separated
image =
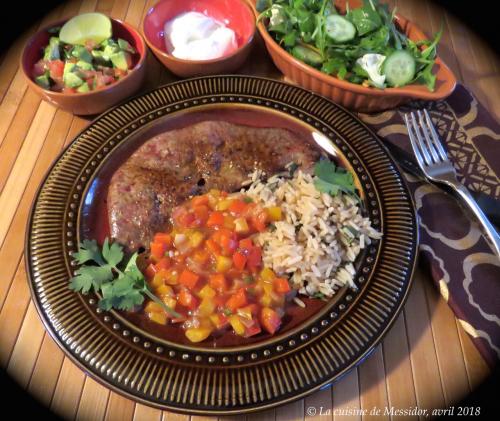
<point x="174" y="165"/>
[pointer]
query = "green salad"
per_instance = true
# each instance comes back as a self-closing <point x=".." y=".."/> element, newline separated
<point x="362" y="46"/>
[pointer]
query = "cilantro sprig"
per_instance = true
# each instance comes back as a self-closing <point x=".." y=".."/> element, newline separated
<point x="331" y="179"/>
<point x="121" y="284"/>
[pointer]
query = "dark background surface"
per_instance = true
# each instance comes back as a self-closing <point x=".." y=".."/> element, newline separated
<point x="483" y="20"/>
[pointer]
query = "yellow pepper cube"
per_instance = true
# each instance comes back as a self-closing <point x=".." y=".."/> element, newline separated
<point x="274" y="213"/>
<point x="223" y="204"/>
<point x="266" y="300"/>
<point x="223" y="264"/>
<point x="172" y="277"/>
<point x="206" y="292"/>
<point x="160" y="318"/>
<point x="158" y="280"/>
<point x="229" y="222"/>
<point x="239" y="328"/>
<point x="241" y="225"/>
<point x="206" y="307"/>
<point x="198" y="334"/>
<point x="164" y="290"/>
<point x="196" y="238"/>
<point x="152" y="307"/>
<point x="169" y="301"/>
<point x="267" y="275"/>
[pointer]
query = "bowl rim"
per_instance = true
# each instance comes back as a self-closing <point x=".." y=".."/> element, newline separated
<point x="221" y="59"/>
<point x="411" y="91"/>
<point x="140" y="63"/>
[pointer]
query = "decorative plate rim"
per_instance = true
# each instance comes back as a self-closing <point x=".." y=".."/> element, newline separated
<point x="285" y="394"/>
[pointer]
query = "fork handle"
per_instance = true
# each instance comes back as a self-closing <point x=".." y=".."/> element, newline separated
<point x="491" y="233"/>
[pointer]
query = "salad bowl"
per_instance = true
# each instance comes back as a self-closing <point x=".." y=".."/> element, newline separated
<point x="353" y="96"/>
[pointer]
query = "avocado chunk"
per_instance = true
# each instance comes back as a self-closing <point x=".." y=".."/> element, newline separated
<point x="81" y="53"/>
<point x="83" y="88"/>
<point x="119" y="60"/>
<point x="68" y="68"/>
<point x="109" y="50"/>
<point x="71" y="80"/>
<point x="99" y="57"/>
<point x="43" y="81"/>
<point x="125" y="46"/>
<point x="84" y="65"/>
<point x="52" y="51"/>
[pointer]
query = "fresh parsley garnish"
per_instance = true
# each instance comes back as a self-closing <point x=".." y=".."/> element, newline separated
<point x="331" y="179"/>
<point x="121" y="284"/>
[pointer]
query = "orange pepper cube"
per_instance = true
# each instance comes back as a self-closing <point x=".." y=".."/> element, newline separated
<point x="188" y="278"/>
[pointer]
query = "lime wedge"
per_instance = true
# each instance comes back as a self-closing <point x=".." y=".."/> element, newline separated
<point x="87" y="26"/>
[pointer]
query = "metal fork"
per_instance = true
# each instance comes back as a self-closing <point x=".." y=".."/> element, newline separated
<point x="436" y="166"/>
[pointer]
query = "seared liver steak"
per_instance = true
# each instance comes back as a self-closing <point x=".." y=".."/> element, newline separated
<point x="174" y="165"/>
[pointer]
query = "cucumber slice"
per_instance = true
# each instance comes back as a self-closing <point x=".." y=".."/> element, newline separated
<point x="339" y="29"/>
<point x="399" y="68"/>
<point x="307" y="55"/>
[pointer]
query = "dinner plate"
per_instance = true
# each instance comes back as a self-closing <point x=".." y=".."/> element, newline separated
<point x="304" y="356"/>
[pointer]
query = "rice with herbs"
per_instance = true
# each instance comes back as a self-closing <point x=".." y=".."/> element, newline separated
<point x="319" y="236"/>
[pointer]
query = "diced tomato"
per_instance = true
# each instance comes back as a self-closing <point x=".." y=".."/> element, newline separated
<point x="201" y="256"/>
<point x="186" y="299"/>
<point x="218" y="282"/>
<point x="259" y="220"/>
<point x="150" y="271"/>
<point x="246" y="245"/>
<point x="228" y="243"/>
<point x="56" y="68"/>
<point x="252" y="330"/>
<point x="213" y="247"/>
<point x="103" y="80"/>
<point x="188" y="278"/>
<point x="216" y="218"/>
<point x="254" y="258"/>
<point x="158" y="250"/>
<point x="281" y="285"/>
<point x="165" y="238"/>
<point x="119" y="73"/>
<point x="238" y="207"/>
<point x="199" y="200"/>
<point x="201" y="214"/>
<point x="239" y="261"/>
<point x="270" y="320"/>
<point x="237" y="300"/>
<point x="67" y="90"/>
<point x="164" y="263"/>
<point x="186" y="220"/>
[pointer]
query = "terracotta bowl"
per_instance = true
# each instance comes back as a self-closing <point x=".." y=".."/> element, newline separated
<point x="93" y="102"/>
<point x="236" y="14"/>
<point x="353" y="96"/>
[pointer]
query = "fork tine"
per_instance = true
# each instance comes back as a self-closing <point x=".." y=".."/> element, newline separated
<point x="435" y="137"/>
<point x="413" y="142"/>
<point x="430" y="146"/>
<point x="419" y="140"/>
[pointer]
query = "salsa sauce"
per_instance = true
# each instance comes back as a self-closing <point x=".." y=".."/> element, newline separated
<point x="93" y="218"/>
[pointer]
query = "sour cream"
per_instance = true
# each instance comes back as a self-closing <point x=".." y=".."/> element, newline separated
<point x="194" y="36"/>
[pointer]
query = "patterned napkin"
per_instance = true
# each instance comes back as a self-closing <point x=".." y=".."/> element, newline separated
<point x="462" y="265"/>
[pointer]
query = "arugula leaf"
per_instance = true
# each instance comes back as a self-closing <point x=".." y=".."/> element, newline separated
<point x="123" y="290"/>
<point x="331" y="179"/>
<point x="365" y="19"/>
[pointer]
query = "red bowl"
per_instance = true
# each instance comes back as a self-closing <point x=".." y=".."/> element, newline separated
<point x="236" y="14"/>
<point x="93" y="102"/>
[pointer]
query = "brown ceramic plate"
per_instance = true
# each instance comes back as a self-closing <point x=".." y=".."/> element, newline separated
<point x="314" y="349"/>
